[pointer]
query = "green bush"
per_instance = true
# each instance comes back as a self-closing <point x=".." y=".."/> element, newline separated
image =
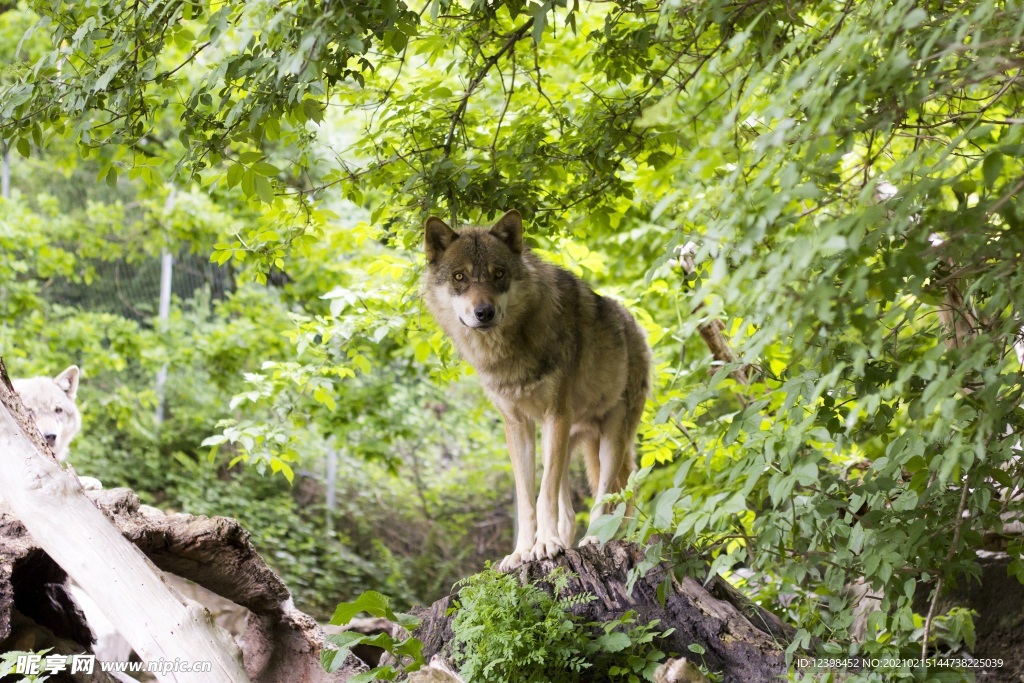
<point x="507" y="632"/>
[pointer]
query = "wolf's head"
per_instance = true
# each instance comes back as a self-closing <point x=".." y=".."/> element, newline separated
<point x="51" y="400"/>
<point x="473" y="273"/>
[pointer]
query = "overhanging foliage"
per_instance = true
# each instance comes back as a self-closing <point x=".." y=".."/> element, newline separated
<point x="850" y="171"/>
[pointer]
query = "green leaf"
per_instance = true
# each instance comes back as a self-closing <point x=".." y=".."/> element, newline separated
<point x="380" y="673"/>
<point x="407" y="621"/>
<point x="806" y="473"/>
<point x="605" y="526"/>
<point x="323" y="396"/>
<point x="992" y="167"/>
<point x="264" y="189"/>
<point x="263" y="168"/>
<point x="371" y="602"/>
<point x="248" y="183"/>
<point x="665" y="506"/>
<point x="234" y="175"/>
<point x="332" y="660"/>
<point x="616" y="641"/>
<point x="965" y="186"/>
<point x="540" y="22"/>
<point x="287" y="471"/>
<point x="411" y="647"/>
<point x="381" y="640"/>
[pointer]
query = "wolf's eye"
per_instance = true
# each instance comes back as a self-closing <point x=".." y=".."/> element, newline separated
<point x="459" y="277"/>
<point x="498" y="274"/>
<point x="58" y="410"/>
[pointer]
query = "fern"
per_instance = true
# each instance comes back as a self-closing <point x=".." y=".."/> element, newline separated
<point x="506" y="632"/>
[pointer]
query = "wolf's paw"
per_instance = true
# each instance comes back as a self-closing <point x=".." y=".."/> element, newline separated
<point x="515" y="560"/>
<point x="589" y="540"/>
<point x="90" y="484"/>
<point x="548" y="548"/>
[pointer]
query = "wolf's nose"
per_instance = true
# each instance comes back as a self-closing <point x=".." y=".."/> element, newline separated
<point x="51" y="439"/>
<point x="484" y="313"/>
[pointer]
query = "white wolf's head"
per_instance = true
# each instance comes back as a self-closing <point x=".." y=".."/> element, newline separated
<point x="51" y="400"/>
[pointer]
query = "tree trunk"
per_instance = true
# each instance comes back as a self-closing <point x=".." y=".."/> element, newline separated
<point x="742" y="641"/>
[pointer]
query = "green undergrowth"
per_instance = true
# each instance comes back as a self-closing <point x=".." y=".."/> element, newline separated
<point x="508" y="632"/>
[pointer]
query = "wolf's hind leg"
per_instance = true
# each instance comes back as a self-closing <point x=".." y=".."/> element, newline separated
<point x="592" y="460"/>
<point x="585" y="438"/>
<point x="613" y="451"/>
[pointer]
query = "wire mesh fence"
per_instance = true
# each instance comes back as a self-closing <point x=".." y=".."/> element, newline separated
<point x="132" y="288"/>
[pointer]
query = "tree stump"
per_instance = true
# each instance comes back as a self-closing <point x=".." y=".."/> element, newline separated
<point x="742" y="641"/>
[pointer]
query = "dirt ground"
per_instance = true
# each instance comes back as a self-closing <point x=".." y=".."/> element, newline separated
<point x="999" y="626"/>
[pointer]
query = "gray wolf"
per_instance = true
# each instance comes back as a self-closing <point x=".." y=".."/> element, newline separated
<point x="547" y="350"/>
<point x="51" y="401"/>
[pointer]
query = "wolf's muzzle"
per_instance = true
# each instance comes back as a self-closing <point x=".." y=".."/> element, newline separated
<point x="484" y="313"/>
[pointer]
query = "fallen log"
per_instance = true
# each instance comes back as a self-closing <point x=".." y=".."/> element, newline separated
<point x="740" y="640"/>
<point x="280" y="644"/>
<point x="63" y="522"/>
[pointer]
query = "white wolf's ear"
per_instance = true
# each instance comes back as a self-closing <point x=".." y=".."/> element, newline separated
<point x="68" y="381"/>
<point x="509" y="229"/>
<point x="436" y="238"/>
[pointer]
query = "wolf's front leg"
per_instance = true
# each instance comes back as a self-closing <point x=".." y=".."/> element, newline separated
<point x="566" y="515"/>
<point x="555" y="440"/>
<point x="519" y="436"/>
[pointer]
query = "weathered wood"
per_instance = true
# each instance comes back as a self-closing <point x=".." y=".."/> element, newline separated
<point x="66" y="524"/>
<point x="744" y="642"/>
<point x="280" y="644"/>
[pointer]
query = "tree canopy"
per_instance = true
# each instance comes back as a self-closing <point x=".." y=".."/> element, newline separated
<point x="850" y="173"/>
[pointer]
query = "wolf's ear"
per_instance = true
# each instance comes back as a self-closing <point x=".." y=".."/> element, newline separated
<point x="436" y="238"/>
<point x="509" y="229"/>
<point x="68" y="381"/>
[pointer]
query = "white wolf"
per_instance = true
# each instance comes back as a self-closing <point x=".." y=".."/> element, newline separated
<point x="51" y="401"/>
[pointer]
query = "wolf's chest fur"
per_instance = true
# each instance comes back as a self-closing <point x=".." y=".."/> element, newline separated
<point x="512" y="367"/>
<point x="520" y="381"/>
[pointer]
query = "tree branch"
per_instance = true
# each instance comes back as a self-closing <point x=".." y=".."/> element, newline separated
<point x="713" y="331"/>
<point x="510" y="40"/>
